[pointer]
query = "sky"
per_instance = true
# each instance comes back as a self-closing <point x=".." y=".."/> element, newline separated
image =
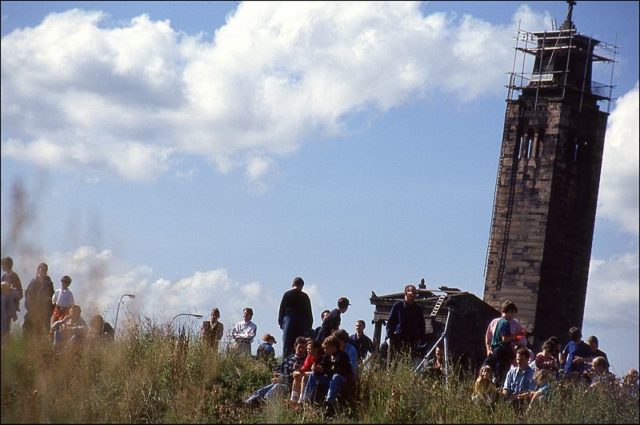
<point x="203" y="154"/>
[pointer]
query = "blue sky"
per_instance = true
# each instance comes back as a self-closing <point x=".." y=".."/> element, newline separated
<point x="203" y="154"/>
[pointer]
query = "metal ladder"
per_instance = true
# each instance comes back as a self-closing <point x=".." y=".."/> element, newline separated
<point x="436" y="307"/>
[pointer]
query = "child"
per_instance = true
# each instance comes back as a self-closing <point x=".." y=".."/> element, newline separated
<point x="542" y="379"/>
<point x="62" y="300"/>
<point x="314" y="353"/>
<point x="265" y="350"/>
<point x="331" y="375"/>
<point x="484" y="389"/>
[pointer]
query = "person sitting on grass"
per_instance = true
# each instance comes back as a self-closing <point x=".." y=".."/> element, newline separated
<point x="348" y="347"/>
<point x="629" y="384"/>
<point x="265" y="351"/>
<point x="542" y="378"/>
<point x="99" y="330"/>
<point x="282" y="377"/>
<point x="314" y="354"/>
<point x="599" y="375"/>
<point x="546" y="360"/>
<point x="70" y="331"/>
<point x="333" y="375"/>
<point x="484" y="390"/>
<point x="519" y="385"/>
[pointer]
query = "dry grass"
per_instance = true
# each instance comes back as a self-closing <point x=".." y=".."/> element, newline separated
<point x="147" y="377"/>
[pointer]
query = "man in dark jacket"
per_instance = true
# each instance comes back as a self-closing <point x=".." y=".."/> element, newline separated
<point x="295" y="317"/>
<point x="405" y="326"/>
<point x="37" y="302"/>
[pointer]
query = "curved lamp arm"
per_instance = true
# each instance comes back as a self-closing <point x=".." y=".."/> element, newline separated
<point x="199" y="316"/>
<point x="115" y="325"/>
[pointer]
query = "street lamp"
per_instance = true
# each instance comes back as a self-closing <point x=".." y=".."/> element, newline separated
<point x="115" y="325"/>
<point x="199" y="316"/>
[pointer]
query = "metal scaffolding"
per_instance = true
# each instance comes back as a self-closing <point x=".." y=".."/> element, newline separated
<point x="547" y="46"/>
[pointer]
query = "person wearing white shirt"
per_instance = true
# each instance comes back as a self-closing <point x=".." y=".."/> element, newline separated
<point x="62" y="300"/>
<point x="244" y="331"/>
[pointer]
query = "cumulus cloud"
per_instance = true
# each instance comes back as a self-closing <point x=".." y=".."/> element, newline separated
<point x="74" y="91"/>
<point x="100" y="278"/>
<point x="612" y="297"/>
<point x="618" y="197"/>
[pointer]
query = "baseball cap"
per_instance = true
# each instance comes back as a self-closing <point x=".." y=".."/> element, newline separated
<point x="343" y="302"/>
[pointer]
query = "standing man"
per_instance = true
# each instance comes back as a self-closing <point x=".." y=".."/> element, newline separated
<point x="332" y="322"/>
<point x="212" y="330"/>
<point x="363" y="343"/>
<point x="37" y="302"/>
<point x="295" y="317"/>
<point x="405" y="326"/>
<point x="244" y="331"/>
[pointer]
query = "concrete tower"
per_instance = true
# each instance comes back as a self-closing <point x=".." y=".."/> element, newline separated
<point x="548" y="177"/>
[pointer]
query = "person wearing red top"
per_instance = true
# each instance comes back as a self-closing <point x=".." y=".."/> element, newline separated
<point x="314" y="354"/>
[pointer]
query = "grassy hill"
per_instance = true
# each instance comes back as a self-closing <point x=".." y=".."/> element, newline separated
<point x="147" y="377"/>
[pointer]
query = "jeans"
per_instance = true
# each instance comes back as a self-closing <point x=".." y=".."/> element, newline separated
<point x="319" y="383"/>
<point x="267" y="393"/>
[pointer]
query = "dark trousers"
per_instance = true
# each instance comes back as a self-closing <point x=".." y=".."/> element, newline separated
<point x="293" y="327"/>
<point x="502" y="357"/>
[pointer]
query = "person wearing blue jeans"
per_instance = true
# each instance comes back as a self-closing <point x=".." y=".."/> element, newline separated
<point x="283" y="375"/>
<point x="332" y="374"/>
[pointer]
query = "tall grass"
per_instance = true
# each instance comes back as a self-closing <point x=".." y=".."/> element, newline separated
<point x="150" y="376"/>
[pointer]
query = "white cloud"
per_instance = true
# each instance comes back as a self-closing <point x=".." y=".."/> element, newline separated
<point x="612" y="294"/>
<point x="274" y="74"/>
<point x="618" y="197"/>
<point x="100" y="279"/>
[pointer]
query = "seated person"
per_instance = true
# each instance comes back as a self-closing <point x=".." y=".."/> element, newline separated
<point x="546" y="359"/>
<point x="629" y="384"/>
<point x="332" y="374"/>
<point x="265" y="351"/>
<point x="484" y="390"/>
<point x="542" y="378"/>
<point x="519" y="385"/>
<point x="314" y="354"/>
<point x="99" y="329"/>
<point x="283" y="375"/>
<point x="69" y="331"/>
<point x="599" y="375"/>
<point x="348" y="347"/>
<point x="435" y="365"/>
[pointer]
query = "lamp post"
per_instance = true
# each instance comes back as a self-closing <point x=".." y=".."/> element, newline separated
<point x="199" y="316"/>
<point x="115" y="325"/>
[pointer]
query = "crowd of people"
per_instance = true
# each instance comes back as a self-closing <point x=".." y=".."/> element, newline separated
<point x="48" y="311"/>
<point x="321" y="366"/>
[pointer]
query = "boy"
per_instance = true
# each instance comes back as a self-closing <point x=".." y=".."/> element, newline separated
<point x="333" y="371"/>
<point x="62" y="300"/>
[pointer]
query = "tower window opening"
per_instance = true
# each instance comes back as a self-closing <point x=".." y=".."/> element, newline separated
<point x="539" y="144"/>
<point x="518" y="150"/>
<point x="529" y="150"/>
